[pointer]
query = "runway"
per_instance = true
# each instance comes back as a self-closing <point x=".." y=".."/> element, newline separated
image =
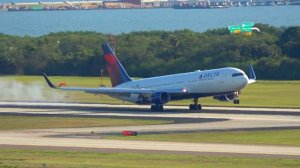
<point x="145" y="108"/>
<point x="208" y="120"/>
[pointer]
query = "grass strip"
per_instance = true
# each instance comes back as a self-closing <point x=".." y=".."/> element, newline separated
<point x="269" y="137"/>
<point x="33" y="122"/>
<point x="25" y="158"/>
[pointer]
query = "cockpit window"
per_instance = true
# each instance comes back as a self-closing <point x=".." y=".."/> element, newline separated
<point x="237" y="74"/>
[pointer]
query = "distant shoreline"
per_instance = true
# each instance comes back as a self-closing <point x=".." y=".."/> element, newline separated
<point x="138" y="4"/>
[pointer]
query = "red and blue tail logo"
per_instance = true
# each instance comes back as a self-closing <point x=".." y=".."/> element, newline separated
<point x="115" y="69"/>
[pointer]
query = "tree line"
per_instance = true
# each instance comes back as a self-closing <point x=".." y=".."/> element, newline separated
<point x="274" y="53"/>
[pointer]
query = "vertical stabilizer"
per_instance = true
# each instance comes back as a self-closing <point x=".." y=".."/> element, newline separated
<point x="115" y="69"/>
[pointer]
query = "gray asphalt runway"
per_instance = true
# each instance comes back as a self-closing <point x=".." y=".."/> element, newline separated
<point x="185" y="122"/>
<point x="146" y="108"/>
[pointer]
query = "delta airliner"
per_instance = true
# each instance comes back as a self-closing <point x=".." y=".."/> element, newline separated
<point x="223" y="84"/>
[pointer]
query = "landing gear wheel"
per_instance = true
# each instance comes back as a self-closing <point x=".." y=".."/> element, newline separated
<point x="195" y="106"/>
<point x="236" y="101"/>
<point x="157" y="107"/>
<point x="160" y="107"/>
<point x="152" y="108"/>
<point x="199" y="107"/>
<point x="191" y="107"/>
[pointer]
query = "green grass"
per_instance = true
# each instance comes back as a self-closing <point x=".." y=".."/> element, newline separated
<point x="270" y="137"/>
<point x="24" y="122"/>
<point x="259" y="94"/>
<point x="20" y="158"/>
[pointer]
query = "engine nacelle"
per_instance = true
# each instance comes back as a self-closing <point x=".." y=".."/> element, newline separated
<point x="226" y="97"/>
<point x="160" y="98"/>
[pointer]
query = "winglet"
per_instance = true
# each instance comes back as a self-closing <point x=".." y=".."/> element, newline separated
<point x="252" y="75"/>
<point x="48" y="81"/>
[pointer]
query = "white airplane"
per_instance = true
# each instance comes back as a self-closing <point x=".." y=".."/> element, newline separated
<point x="223" y="84"/>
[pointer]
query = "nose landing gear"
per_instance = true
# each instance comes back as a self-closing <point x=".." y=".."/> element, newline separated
<point x="236" y="101"/>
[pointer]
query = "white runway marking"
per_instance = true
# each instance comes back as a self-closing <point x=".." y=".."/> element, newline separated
<point x="20" y="139"/>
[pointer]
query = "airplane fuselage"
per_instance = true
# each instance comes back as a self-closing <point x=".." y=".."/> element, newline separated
<point x="194" y="84"/>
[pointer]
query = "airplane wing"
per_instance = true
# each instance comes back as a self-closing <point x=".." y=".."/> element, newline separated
<point x="115" y="90"/>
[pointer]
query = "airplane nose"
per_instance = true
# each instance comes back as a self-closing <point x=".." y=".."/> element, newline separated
<point x="245" y="80"/>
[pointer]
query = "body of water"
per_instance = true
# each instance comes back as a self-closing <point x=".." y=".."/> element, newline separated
<point x="118" y="21"/>
<point x="22" y="1"/>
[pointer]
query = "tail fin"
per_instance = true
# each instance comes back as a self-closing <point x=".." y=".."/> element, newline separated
<point x="115" y="69"/>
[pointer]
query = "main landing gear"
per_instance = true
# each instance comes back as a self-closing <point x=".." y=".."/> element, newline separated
<point x="195" y="106"/>
<point x="157" y="107"/>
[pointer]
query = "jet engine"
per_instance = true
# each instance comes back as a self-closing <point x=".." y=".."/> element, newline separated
<point x="160" y="98"/>
<point x="227" y="97"/>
